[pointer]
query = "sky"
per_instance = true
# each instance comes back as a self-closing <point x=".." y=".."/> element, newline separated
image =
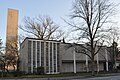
<point x="56" y="9"/>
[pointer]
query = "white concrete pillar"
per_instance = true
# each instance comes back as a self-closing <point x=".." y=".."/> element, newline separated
<point x="87" y="63"/>
<point x="106" y="56"/>
<point x="52" y="58"/>
<point x="56" y="58"/>
<point x="40" y="55"/>
<point x="36" y="54"/>
<point x="97" y="62"/>
<point x="74" y="57"/>
<point x="45" y="56"/>
<point x="31" y="56"/>
<point x="49" y="56"/>
<point x="87" y="68"/>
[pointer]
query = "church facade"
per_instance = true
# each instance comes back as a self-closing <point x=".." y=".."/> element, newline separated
<point x="58" y="57"/>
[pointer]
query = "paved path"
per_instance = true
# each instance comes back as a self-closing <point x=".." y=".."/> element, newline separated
<point x="101" y="78"/>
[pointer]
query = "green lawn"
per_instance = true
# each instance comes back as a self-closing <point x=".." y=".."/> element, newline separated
<point x="52" y="75"/>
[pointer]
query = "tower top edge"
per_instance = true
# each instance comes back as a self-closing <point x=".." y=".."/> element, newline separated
<point x="12" y="9"/>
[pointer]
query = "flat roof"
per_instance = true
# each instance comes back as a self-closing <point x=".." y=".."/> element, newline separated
<point x="27" y="38"/>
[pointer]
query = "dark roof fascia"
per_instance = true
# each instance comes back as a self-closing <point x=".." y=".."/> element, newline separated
<point x="44" y="39"/>
<point x="38" y="39"/>
<point x="23" y="41"/>
<point x="72" y="43"/>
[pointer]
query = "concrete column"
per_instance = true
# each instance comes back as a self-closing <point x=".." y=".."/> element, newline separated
<point x="74" y="57"/>
<point x="56" y="58"/>
<point x="40" y="54"/>
<point x="87" y="63"/>
<point x="97" y="62"/>
<point x="87" y="68"/>
<point x="45" y="56"/>
<point x="36" y="54"/>
<point x="49" y="56"/>
<point x="52" y="58"/>
<point x="31" y="56"/>
<point x="106" y="56"/>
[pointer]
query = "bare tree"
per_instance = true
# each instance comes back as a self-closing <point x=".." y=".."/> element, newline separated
<point x="42" y="27"/>
<point x="112" y="40"/>
<point x="113" y="36"/>
<point x="89" y="18"/>
<point x="2" y="58"/>
<point x="1" y="53"/>
<point x="1" y="46"/>
<point x="12" y="55"/>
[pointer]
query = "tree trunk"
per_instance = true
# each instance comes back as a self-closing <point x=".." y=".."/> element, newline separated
<point x="93" y="66"/>
<point x="92" y="57"/>
<point x="14" y="67"/>
<point x="18" y="62"/>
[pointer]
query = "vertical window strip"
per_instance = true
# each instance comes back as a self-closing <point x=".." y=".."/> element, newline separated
<point x="38" y="53"/>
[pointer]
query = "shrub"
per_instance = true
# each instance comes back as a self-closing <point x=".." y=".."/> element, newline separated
<point x="40" y="70"/>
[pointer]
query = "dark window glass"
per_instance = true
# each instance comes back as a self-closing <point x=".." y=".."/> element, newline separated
<point x="42" y="54"/>
<point x="58" y="52"/>
<point x="47" y="69"/>
<point x="38" y="52"/>
<point x="50" y="57"/>
<point x="34" y="52"/>
<point x="54" y="56"/>
<point x="29" y="54"/>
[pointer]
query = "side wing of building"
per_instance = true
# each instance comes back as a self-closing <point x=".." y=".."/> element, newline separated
<point x="82" y="62"/>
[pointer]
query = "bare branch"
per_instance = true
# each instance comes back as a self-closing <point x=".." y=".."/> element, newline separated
<point x="41" y="27"/>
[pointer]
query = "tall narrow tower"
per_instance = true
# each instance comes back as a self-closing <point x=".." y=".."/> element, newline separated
<point x="12" y="31"/>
